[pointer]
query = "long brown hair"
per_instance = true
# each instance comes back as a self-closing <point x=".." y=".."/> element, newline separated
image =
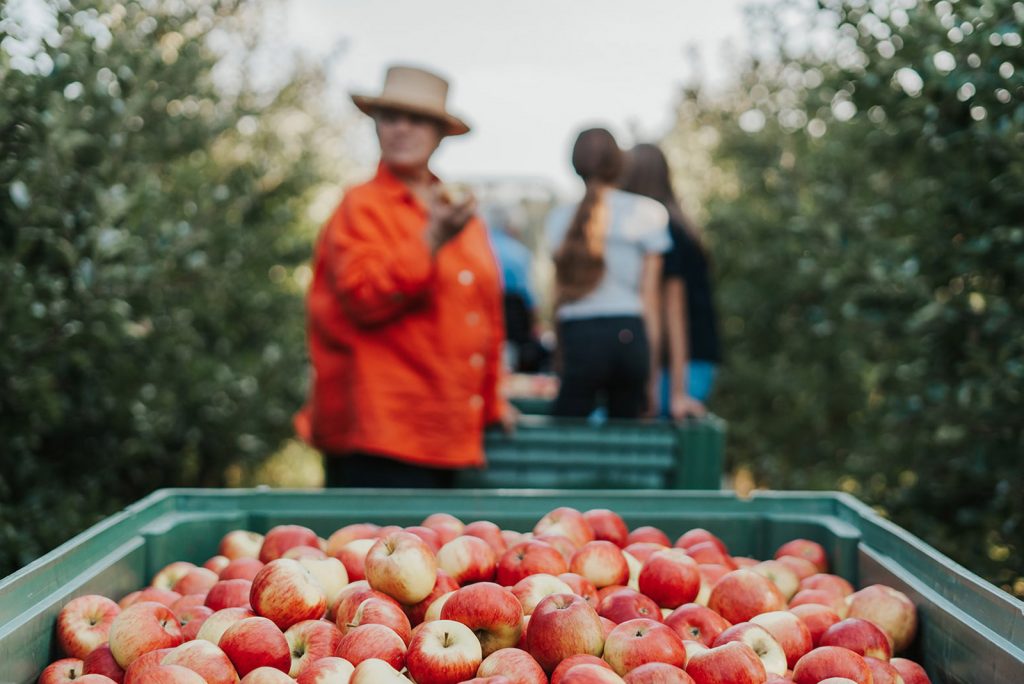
<point x="579" y="261"/>
<point x="647" y="174"/>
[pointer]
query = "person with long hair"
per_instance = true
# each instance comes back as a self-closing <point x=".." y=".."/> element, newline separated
<point x="690" y="325"/>
<point x="607" y="251"/>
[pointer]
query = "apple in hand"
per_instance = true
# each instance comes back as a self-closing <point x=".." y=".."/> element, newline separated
<point x="528" y="558"/>
<point x="443" y="652"/>
<point x="514" y="663"/>
<point x="329" y="670"/>
<point x="601" y="562"/>
<point x="563" y="625"/>
<point x="205" y="659"/>
<point x="694" y="622"/>
<point x="637" y="642"/>
<point x="607" y="526"/>
<point x="309" y="641"/>
<point x="831" y="661"/>
<point x="742" y="594"/>
<point x="670" y="577"/>
<point x="468" y="559"/>
<point x="888" y="608"/>
<point x="490" y="610"/>
<point x="789" y="630"/>
<point x="733" y="662"/>
<point x="860" y="636"/>
<point x="142" y="627"/>
<point x="657" y="673"/>
<point x="761" y="641"/>
<point x="286" y="592"/>
<point x="256" y="642"/>
<point x="402" y="566"/>
<point x="84" y="623"/>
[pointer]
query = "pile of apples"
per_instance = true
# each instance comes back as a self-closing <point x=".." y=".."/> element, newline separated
<point x="579" y="600"/>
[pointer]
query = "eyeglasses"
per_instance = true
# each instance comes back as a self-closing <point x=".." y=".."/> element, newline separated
<point x="392" y="117"/>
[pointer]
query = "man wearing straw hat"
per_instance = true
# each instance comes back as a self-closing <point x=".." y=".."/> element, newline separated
<point x="405" y="313"/>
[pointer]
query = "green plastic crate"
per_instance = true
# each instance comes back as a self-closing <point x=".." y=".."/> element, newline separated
<point x="970" y="632"/>
<point x="561" y="453"/>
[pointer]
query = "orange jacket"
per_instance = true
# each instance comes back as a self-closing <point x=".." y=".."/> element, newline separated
<point x="406" y="348"/>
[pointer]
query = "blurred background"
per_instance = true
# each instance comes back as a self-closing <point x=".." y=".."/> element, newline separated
<point x="858" y="167"/>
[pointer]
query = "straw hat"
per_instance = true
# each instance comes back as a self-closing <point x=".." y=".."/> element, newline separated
<point x="413" y="90"/>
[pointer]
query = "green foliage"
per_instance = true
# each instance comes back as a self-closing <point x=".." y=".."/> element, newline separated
<point x="150" y="232"/>
<point x="870" y="257"/>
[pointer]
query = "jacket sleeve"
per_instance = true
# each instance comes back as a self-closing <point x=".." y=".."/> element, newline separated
<point x="378" y="272"/>
<point x="495" y="404"/>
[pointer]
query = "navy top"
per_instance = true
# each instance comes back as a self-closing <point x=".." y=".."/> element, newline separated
<point x="687" y="260"/>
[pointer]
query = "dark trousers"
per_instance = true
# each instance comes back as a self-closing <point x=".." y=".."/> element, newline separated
<point x="603" y="357"/>
<point x="370" y="470"/>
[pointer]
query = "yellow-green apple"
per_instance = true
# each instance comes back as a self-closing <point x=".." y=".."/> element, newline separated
<point x="692" y="621"/>
<point x="266" y="675"/>
<point x="378" y="611"/>
<point x="304" y="552"/>
<point x="670" y="577"/>
<point x="514" y="663"/>
<point x="528" y="558"/>
<point x="636" y="642"/>
<point x="205" y="659"/>
<point x="377" y="671"/>
<point x="191" y="620"/>
<point x="280" y="538"/>
<point x="734" y="662"/>
<point x="783" y="576"/>
<point x="836" y="603"/>
<point x="573" y="661"/>
<point x="468" y="559"/>
<point x="657" y="673"/>
<point x="167" y="576"/>
<point x="491" y="611"/>
<point x="172" y="674"/>
<point x="241" y="568"/>
<point x="831" y="661"/>
<point x="256" y="642"/>
<point x="709" y="553"/>
<point x="860" y="636"/>
<point x="309" y="641"/>
<point x="789" y="630"/>
<point x="214" y="626"/>
<point x="563" y="625"/>
<point x="827" y="582"/>
<point x="372" y="641"/>
<point x="101" y="661"/>
<point x="353" y="556"/>
<point x="911" y="672"/>
<point x="581" y="586"/>
<point x="329" y="670"/>
<point x="763" y="644"/>
<point x="428" y="535"/>
<point x="607" y="526"/>
<point x="195" y="581"/>
<point x="447" y="526"/>
<point x="342" y="536"/>
<point x="443" y="652"/>
<point x="568" y="522"/>
<point x="888" y="608"/>
<point x="817" y="617"/>
<point x="489" y="532"/>
<point x="698" y="535"/>
<point x="286" y="592"/>
<point x="648" y="533"/>
<point x="601" y="562"/>
<point x="140" y="628"/>
<point x="741" y="594"/>
<point x="402" y="566"/>
<point x="240" y="544"/>
<point x="230" y="593"/>
<point x="626" y="604"/>
<point x="710" y="573"/>
<point x="216" y="563"/>
<point x="643" y="550"/>
<point x="805" y="548"/>
<point x="166" y="597"/>
<point x="83" y="624"/>
<point x="329" y="572"/>
<point x="444" y="584"/>
<point x="136" y="672"/>
<point x="532" y="589"/>
<point x="882" y="672"/>
<point x="590" y="674"/>
<point x="61" y="671"/>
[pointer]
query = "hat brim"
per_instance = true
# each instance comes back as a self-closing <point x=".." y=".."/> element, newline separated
<point x="452" y="124"/>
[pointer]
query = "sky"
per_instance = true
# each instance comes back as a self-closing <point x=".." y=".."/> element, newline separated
<point x="527" y="75"/>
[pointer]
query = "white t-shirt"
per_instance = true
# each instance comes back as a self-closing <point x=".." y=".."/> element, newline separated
<point x="638" y="226"/>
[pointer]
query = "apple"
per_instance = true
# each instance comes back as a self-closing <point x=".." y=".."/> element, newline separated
<point x="283" y="537"/>
<point x="342" y="536"/>
<point x="444" y="584"/>
<point x="267" y="675"/>
<point x="402" y="566"/>
<point x="698" y="535"/>
<point x="166" y="597"/>
<point x="230" y="593"/>
<point x="195" y="581"/>
<point x="353" y="556"/>
<point x="468" y="559"/>
<point x="329" y="572"/>
<point x="435" y="608"/>
<point x="789" y="631"/>
<point x="377" y="611"/>
<point x="888" y="608"/>
<point x="528" y="558"/>
<point x="515" y="664"/>
<point x="772" y="656"/>
<point x="626" y="604"/>
<point x="490" y="610"/>
<point x="286" y="592"/>
<point x="490" y="533"/>
<point x="831" y="661"/>
<point x="827" y="582"/>
<point x="568" y="522"/>
<point x="241" y="568"/>
<point x="142" y="627"/>
<point x="692" y="621"/>
<point x="61" y="671"/>
<point x="191" y="619"/>
<point x="733" y="662"/>
<point x="911" y="672"/>
<point x="607" y="526"/>
<point x="601" y="562"/>
<point x="188" y="601"/>
<point x="581" y="586"/>
<point x="329" y="670"/>
<point x="94" y="679"/>
<point x="670" y="577"/>
<point x="744" y="561"/>
<point x="710" y="573"/>
<point x="837" y="680"/>
<point x="372" y="641"/>
<point x="135" y="673"/>
<point x="882" y="672"/>
<point x="493" y="679"/>
<point x="573" y="661"/>
<point x="635" y="567"/>
<point x="205" y="659"/>
<point x="447" y="526"/>
<point x="708" y="553"/>
<point x="563" y="625"/>
<point x="348" y="599"/>
<point x="443" y="652"/>
<point x="171" y="674"/>
<point x="304" y="552"/>
<point x="240" y="544"/>
<point x="216" y="563"/>
<point x="741" y="594"/>
<point x="860" y="636"/>
<point x="511" y="537"/>
<point x="377" y="671"/>
<point x="256" y="642"/>
<point x="637" y="642"/>
<point x="167" y="576"/>
<point x="604" y="592"/>
<point x="657" y="673"/>
<point x="837" y="604"/>
<point x="309" y="641"/>
<point x="428" y="535"/>
<point x="805" y="548"/>
<point x="215" y="625"/>
<point x="565" y="546"/>
<point x="647" y="533"/>
<point x="533" y="588"/>
<point x="783" y="576"/>
<point x="101" y="661"/>
<point x="83" y="624"/>
<point x="817" y="617"/>
<point x="643" y="550"/>
<point x="801" y="566"/>
<point x="590" y="674"/>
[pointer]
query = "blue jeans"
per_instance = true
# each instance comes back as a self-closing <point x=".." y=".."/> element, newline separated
<point x="700" y="379"/>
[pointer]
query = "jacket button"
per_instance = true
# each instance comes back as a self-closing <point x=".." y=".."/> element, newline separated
<point x="466" y="277"/>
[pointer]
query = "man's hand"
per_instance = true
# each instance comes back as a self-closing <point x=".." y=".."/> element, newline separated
<point x="509" y="419"/>
<point x="450" y="211"/>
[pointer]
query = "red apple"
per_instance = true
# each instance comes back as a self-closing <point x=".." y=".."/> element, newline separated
<point x="515" y="664"/>
<point x="698" y="535"/>
<point x="283" y="537"/>
<point x="888" y="608"/>
<point x="605" y="592"/>
<point x="205" y="659"/>
<point x="266" y="675"/>
<point x="734" y="662"/>
<point x="511" y="538"/>
<point x="84" y="623"/>
<point x="692" y="621"/>
<point x="911" y="672"/>
<point x="607" y="526"/>
<point x="94" y="679"/>
<point x="789" y="631"/>
<point x="167" y="576"/>
<point x="837" y="604"/>
<point x="402" y="566"/>
<point x="670" y="577"/>
<point x="442" y="585"/>
<point x="372" y="641"/>
<point x="601" y="562"/>
<point x="447" y="526"/>
<point x="528" y="558"/>
<point x="136" y="672"/>
<point x="882" y="672"/>
<point x="490" y="533"/>
<point x="101" y="661"/>
<point x="353" y="557"/>
<point x="348" y="599"/>
<point x="468" y="559"/>
<point x="171" y="674"/>
<point x="286" y="592"/>
<point x="590" y="674"/>
<point x="240" y="544"/>
<point x="827" y="582"/>
<point x="377" y="671"/>
<point x="626" y="604"/>
<point x="709" y="553"/>
<point x="329" y="670"/>
<point x="532" y="589"/>
<point x="494" y="679"/>
<point x="195" y="581"/>
<point x="165" y="597"/>
<point x="342" y="536"/>
<point x="565" y="546"/>
<point x="657" y="673"/>
<point x="709" y="575"/>
<point x="330" y="573"/>
<point x="805" y="548"/>
<point x="580" y="586"/>
<point x="309" y="641"/>
<point x="831" y="661"/>
<point x="573" y="661"/>
<point x="783" y="576"/>
<point x="241" y="568"/>
<point x="636" y="642"/>
<point x="490" y="610"/>
<point x="62" y="671"/>
<point x="761" y="641"/>
<point x="443" y="652"/>
<point x="745" y="561"/>
<point x="302" y="552"/>
<point x="568" y="522"/>
<point x="232" y="593"/>
<point x="215" y="625"/>
<point x="563" y="625"/>
<point x="187" y="601"/>
<point x="643" y="550"/>
<point x="801" y="566"/>
<point x="191" y="619"/>
<point x="647" y="533"/>
<point x="216" y="563"/>
<point x="377" y="611"/>
<point x="142" y="627"/>
<point x="860" y="636"/>
<point x="742" y="594"/>
<point x="429" y="536"/>
<point x="817" y="617"/>
<point x="256" y="642"/>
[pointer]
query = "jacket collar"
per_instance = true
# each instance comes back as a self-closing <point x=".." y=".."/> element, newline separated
<point x="395" y="187"/>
